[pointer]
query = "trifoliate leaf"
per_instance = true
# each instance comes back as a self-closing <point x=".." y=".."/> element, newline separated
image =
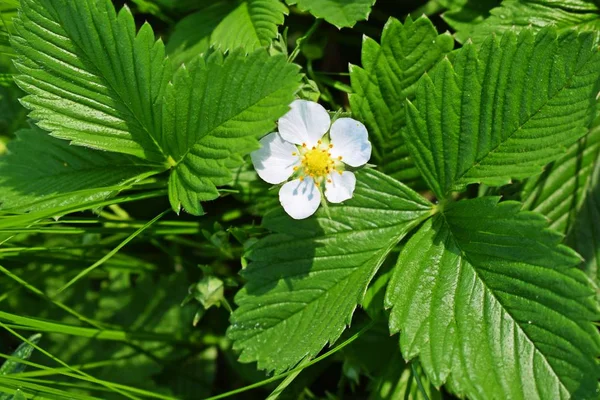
<point x="91" y="79"/>
<point x="560" y="191"/>
<point x="227" y="25"/>
<point x="306" y="279"/>
<point x="42" y="172"/>
<point x="342" y="14"/>
<point x="491" y="302"/>
<point x="584" y="236"/>
<point x="479" y="119"/>
<point x="232" y="102"/>
<point x="515" y="15"/>
<point x="388" y="76"/>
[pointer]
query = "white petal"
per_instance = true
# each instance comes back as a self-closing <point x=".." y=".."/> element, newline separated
<point x="306" y="122"/>
<point x="350" y="140"/>
<point x="341" y="187"/>
<point x="300" y="199"/>
<point x="274" y="161"/>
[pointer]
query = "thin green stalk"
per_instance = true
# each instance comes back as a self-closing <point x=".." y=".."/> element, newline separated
<point x="303" y="39"/>
<point x="287" y="381"/>
<point x="297" y="369"/>
<point x="64" y="364"/>
<point x="111" y="253"/>
<point x="418" y="380"/>
<point x="38" y="292"/>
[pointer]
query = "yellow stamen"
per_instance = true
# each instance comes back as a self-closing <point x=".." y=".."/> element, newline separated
<point x="317" y="162"/>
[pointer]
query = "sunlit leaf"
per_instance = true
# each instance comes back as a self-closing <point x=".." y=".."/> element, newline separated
<point x="478" y="119"/>
<point x="491" y="303"/>
<point x="306" y="279"/>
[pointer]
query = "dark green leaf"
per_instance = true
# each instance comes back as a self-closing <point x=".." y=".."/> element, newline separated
<point x="560" y="191"/>
<point x="515" y="15"/>
<point x="585" y="233"/>
<point x="341" y="13"/>
<point x="42" y="172"/>
<point x="226" y="25"/>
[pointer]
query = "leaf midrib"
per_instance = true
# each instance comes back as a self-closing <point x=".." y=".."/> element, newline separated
<point x="384" y="252"/>
<point x="108" y="85"/>
<point x="233" y="117"/>
<point x="459" y="177"/>
<point x="493" y="294"/>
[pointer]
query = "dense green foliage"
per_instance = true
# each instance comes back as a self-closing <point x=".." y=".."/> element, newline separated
<point x="142" y="257"/>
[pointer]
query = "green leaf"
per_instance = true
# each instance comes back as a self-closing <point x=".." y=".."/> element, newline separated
<point x="560" y="191"/>
<point x="22" y="352"/>
<point x="585" y="234"/>
<point x="305" y="280"/>
<point x="226" y="25"/>
<point x="232" y="101"/>
<point x="491" y="302"/>
<point x="341" y="13"/>
<point x="41" y="172"/>
<point x="479" y="119"/>
<point x="515" y="15"/>
<point x="464" y="15"/>
<point x="389" y="75"/>
<point x="91" y="79"/>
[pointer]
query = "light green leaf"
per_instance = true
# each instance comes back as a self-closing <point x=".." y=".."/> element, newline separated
<point x="388" y="76"/>
<point x="232" y="102"/>
<point x="341" y="13"/>
<point x="491" y="302"/>
<point x="515" y="15"/>
<point x="91" y="79"/>
<point x="23" y="352"/>
<point x="479" y="119"/>
<point x="560" y="191"/>
<point x="585" y="234"/>
<point x="42" y="172"/>
<point x="226" y="25"/>
<point x="305" y="280"/>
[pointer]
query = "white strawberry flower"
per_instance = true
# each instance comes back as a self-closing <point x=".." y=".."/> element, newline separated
<point x="303" y="150"/>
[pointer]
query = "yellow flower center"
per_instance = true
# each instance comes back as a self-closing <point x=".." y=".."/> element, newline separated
<point x="317" y="162"/>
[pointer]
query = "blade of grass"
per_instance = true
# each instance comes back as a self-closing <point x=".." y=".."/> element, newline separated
<point x="38" y="292"/>
<point x="34" y="324"/>
<point x="24" y="377"/>
<point x="287" y="381"/>
<point x="64" y="364"/>
<point x="10" y="385"/>
<point x="111" y="253"/>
